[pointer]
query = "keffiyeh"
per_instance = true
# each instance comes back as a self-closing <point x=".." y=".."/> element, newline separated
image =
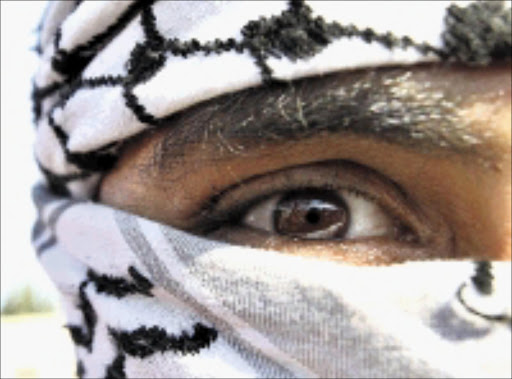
<point x="146" y="300"/>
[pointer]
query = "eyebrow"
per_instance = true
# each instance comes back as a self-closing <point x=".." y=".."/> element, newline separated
<point x="387" y="106"/>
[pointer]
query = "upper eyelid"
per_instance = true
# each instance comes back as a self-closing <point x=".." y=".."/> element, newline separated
<point x="216" y="197"/>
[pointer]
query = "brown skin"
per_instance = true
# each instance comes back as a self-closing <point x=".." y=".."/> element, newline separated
<point x="463" y="202"/>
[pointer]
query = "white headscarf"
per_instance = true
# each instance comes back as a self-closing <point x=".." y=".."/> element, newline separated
<point x="146" y="300"/>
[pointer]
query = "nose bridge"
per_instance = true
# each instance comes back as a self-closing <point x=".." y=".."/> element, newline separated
<point x="485" y="225"/>
<point x="506" y="232"/>
<point x="507" y="243"/>
<point x="499" y="234"/>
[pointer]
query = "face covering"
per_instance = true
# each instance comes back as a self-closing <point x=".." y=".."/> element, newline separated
<point x="143" y="299"/>
<point x="146" y="300"/>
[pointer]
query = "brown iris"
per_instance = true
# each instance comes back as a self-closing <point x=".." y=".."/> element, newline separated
<point x="311" y="214"/>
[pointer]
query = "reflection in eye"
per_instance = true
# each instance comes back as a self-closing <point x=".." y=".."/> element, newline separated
<point x="320" y="214"/>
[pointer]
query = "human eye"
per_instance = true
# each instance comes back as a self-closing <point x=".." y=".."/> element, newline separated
<point x="335" y="205"/>
<point x="317" y="214"/>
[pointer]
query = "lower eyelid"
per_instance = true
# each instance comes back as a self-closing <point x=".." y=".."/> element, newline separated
<point x="370" y="251"/>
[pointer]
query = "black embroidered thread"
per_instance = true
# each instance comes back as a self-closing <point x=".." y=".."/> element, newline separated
<point x="478" y="33"/>
<point x="80" y="83"/>
<point x="56" y="41"/>
<point x="67" y="89"/>
<point x="64" y="178"/>
<point x="99" y="160"/>
<point x="489" y="317"/>
<point x="141" y="113"/>
<point x="147" y="57"/>
<point x="116" y="369"/>
<point x="80" y="369"/>
<point x="120" y="287"/>
<point x="57" y="183"/>
<point x="148" y="21"/>
<point x="38" y="46"/>
<point x="145" y="60"/>
<point x="483" y="278"/>
<point x="51" y="241"/>
<point x="186" y="48"/>
<point x="295" y="34"/>
<point x="71" y="63"/>
<point x="143" y="284"/>
<point x="37" y="49"/>
<point x="80" y="336"/>
<point x="37" y="230"/>
<point x="144" y="341"/>
<point x="39" y="94"/>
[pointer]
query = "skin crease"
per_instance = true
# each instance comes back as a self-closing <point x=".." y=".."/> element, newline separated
<point x="464" y="202"/>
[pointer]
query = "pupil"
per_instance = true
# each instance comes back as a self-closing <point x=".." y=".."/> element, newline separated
<point x="313" y="216"/>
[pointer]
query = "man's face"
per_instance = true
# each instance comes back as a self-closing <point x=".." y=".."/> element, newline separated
<point x="367" y="167"/>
